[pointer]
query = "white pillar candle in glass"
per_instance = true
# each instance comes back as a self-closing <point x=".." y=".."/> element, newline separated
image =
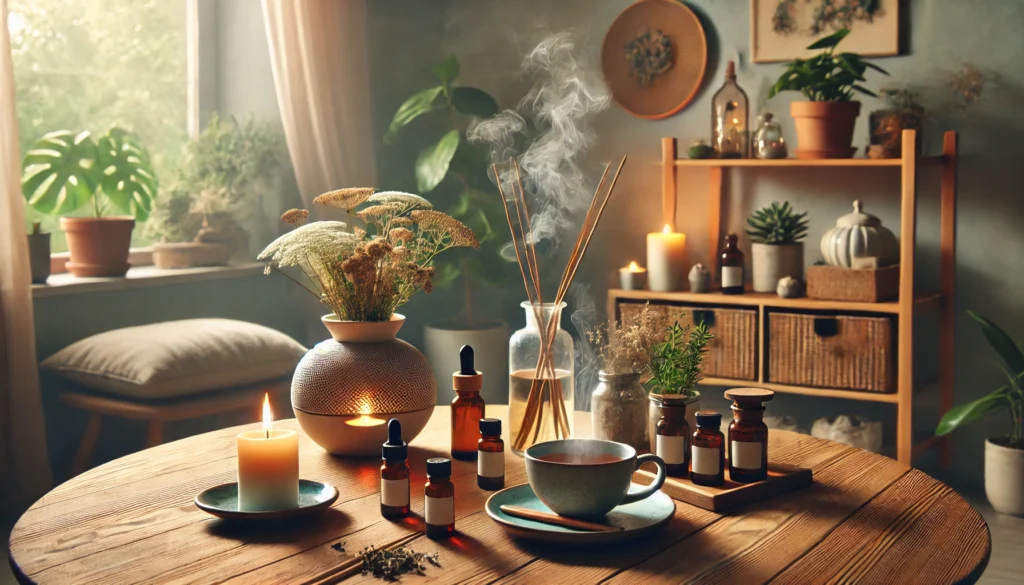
<point x="268" y="467"/>
<point x="632" y="277"/>
<point x="666" y="260"/>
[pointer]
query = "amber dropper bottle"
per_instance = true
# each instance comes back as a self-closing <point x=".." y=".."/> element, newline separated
<point x="467" y="408"/>
<point x="394" y="474"/>
<point x="439" y="499"/>
<point x="490" y="465"/>
<point x="748" y="435"/>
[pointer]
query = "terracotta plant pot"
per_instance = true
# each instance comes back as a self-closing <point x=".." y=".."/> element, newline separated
<point x="824" y="129"/>
<point x="98" y="245"/>
<point x="1004" y="476"/>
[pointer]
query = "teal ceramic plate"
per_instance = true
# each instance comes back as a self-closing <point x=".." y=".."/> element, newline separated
<point x="222" y="501"/>
<point x="637" y="519"/>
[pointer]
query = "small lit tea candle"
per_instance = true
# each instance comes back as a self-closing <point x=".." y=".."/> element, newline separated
<point x="632" y="277"/>
<point x="666" y="260"/>
<point x="268" y="467"/>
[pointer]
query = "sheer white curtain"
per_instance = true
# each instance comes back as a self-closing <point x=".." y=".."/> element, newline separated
<point x="24" y="464"/>
<point x="318" y="51"/>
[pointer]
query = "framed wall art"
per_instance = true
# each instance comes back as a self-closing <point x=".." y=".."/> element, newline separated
<point x="780" y="30"/>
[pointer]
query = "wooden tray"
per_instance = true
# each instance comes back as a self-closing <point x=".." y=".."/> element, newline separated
<point x="782" y="478"/>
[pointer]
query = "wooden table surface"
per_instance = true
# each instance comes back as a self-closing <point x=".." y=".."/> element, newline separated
<point x="866" y="519"/>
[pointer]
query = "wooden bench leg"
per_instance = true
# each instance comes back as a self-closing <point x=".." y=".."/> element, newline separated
<point x="155" y="433"/>
<point x="85" y="448"/>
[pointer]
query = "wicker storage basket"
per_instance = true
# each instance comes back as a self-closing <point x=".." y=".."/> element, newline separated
<point x="832" y="351"/>
<point x="732" y="353"/>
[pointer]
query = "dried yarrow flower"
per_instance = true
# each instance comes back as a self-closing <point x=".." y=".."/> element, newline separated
<point x="375" y="213"/>
<point x="344" y="198"/>
<point x="400" y="235"/>
<point x="318" y="240"/>
<point x="359" y="232"/>
<point x="401" y="222"/>
<point x="295" y="216"/>
<point x="405" y="200"/>
<point x="441" y="224"/>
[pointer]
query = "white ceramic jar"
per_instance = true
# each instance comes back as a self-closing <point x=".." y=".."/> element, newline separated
<point x="859" y="235"/>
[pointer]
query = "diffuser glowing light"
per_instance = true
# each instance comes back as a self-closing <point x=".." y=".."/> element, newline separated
<point x="365" y="420"/>
<point x="666" y="260"/>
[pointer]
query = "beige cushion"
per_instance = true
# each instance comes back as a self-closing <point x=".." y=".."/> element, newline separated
<point x="177" y="358"/>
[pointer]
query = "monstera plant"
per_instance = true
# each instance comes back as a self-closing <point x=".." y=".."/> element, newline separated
<point x="66" y="171"/>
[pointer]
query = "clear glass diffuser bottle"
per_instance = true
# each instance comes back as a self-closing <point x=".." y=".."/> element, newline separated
<point x="540" y="398"/>
<point x="730" y="118"/>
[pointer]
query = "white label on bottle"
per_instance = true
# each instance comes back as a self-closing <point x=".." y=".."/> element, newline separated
<point x="672" y="450"/>
<point x="732" y="276"/>
<point x="490" y="464"/>
<point x="745" y="455"/>
<point x="705" y="460"/>
<point x="439" y="511"/>
<point x="394" y="492"/>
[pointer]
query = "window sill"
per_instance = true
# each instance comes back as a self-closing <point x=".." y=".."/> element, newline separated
<point x="140" y="277"/>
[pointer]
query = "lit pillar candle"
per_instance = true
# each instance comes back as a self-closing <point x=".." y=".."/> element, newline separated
<point x="632" y="277"/>
<point x="666" y="260"/>
<point x="268" y="467"/>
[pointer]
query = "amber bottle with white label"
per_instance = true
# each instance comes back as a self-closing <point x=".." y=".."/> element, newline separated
<point x="748" y="435"/>
<point x="672" y="435"/>
<point x="490" y="461"/>
<point x="394" y="474"/>
<point x="439" y="499"/>
<point x="707" y="455"/>
<point x="730" y="272"/>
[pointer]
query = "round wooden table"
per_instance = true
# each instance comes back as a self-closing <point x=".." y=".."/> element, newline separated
<point x="865" y="519"/>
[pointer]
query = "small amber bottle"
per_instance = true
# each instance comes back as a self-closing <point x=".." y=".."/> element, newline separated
<point x="490" y="463"/>
<point x="439" y="499"/>
<point x="394" y="474"/>
<point x="707" y="457"/>
<point x="731" y="267"/>
<point x="467" y="407"/>
<point x="748" y="435"/>
<point x="672" y="435"/>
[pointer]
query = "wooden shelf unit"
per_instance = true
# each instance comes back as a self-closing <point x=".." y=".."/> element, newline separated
<point x="909" y="303"/>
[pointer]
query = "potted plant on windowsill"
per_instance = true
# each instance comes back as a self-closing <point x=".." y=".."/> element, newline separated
<point x="64" y="171"/>
<point x="676" y="369"/>
<point x="39" y="253"/>
<point x="776" y="250"/>
<point x="1004" y="455"/>
<point x="453" y="171"/>
<point x="824" y="123"/>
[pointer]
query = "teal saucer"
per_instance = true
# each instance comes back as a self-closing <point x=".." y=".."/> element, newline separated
<point x="637" y="519"/>
<point x="222" y="502"/>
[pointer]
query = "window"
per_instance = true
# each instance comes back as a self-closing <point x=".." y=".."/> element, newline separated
<point x="91" y="64"/>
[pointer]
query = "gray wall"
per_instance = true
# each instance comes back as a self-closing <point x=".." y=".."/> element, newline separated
<point x="490" y="36"/>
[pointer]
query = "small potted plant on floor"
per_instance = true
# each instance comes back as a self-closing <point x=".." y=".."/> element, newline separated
<point x="676" y="369"/>
<point x="829" y="81"/>
<point x="1004" y="455"/>
<point x="64" y="171"/>
<point x="776" y="250"/>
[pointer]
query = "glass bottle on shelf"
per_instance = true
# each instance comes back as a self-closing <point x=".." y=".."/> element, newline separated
<point x="730" y="270"/>
<point x="768" y="141"/>
<point x="540" y="398"/>
<point x="729" y="118"/>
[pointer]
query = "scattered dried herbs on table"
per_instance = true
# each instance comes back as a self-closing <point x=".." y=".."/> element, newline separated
<point x="390" y="564"/>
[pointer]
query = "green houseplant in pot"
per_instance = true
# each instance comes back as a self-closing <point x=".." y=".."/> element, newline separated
<point x="830" y="80"/>
<point x="65" y="171"/>
<point x="676" y="367"/>
<point x="776" y="250"/>
<point x="454" y="172"/>
<point x="1004" y="455"/>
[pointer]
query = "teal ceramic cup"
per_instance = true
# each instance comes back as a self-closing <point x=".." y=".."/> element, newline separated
<point x="587" y="477"/>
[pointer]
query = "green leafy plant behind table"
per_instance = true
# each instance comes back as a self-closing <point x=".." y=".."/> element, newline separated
<point x="676" y="363"/>
<point x="777" y="224"/>
<point x="64" y="171"/>
<point x="828" y="76"/>
<point x="1009" y="397"/>
<point x="455" y="173"/>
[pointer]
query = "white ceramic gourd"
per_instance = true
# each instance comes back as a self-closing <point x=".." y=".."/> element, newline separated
<point x="858" y="235"/>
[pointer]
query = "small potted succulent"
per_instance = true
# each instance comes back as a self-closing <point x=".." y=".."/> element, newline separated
<point x="64" y="171"/>
<point x="39" y="253"/>
<point x="776" y="250"/>
<point x="676" y="369"/>
<point x="829" y="81"/>
<point x="1004" y="455"/>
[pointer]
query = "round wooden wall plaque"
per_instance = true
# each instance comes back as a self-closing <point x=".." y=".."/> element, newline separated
<point x="643" y="82"/>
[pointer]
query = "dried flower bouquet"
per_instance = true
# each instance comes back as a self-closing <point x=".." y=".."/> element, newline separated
<point x="366" y="273"/>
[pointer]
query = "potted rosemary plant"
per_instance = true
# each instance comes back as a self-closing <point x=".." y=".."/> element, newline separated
<point x="65" y="171"/>
<point x="829" y="81"/>
<point x="1004" y="455"/>
<point x="676" y="369"/>
<point x="776" y="250"/>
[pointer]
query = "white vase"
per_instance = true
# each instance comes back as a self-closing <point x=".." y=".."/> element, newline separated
<point x="771" y="262"/>
<point x="489" y="340"/>
<point x="1004" y="477"/>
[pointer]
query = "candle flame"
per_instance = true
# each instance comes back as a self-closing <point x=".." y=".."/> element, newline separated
<point x="634" y="267"/>
<point x="268" y="418"/>
<point x="667" y="229"/>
